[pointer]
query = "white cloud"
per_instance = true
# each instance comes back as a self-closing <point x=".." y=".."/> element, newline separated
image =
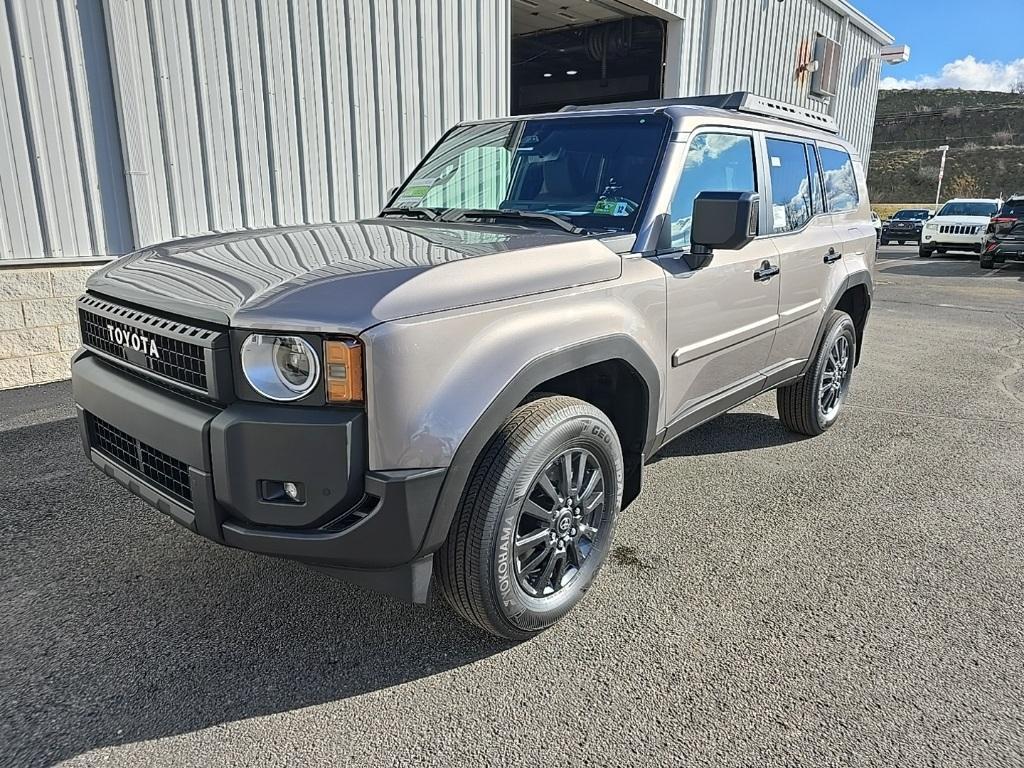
<point x="967" y="73"/>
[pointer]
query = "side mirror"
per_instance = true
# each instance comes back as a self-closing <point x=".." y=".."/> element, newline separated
<point x="722" y="220"/>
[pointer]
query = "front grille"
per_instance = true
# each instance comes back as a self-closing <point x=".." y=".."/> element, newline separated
<point x="165" y="472"/>
<point x="959" y="229"/>
<point x="168" y="349"/>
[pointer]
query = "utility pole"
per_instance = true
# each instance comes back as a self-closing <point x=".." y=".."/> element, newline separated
<point x="942" y="170"/>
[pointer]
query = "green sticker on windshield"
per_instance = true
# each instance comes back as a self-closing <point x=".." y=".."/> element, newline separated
<point x="609" y="206"/>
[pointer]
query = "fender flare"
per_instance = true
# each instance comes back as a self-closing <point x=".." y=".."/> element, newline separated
<point x="555" y="363"/>
<point x="860" y="277"/>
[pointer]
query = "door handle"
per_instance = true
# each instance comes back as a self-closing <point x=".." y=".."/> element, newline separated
<point x="766" y="272"/>
<point x="832" y="256"/>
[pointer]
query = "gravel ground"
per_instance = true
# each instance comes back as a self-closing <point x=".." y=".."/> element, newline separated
<point x="853" y="599"/>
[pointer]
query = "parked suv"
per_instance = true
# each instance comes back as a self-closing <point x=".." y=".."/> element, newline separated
<point x="1004" y="238"/>
<point x="464" y="389"/>
<point x="959" y="225"/>
<point x="905" y="226"/>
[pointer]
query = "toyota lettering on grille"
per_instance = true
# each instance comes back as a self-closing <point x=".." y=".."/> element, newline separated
<point x="133" y="340"/>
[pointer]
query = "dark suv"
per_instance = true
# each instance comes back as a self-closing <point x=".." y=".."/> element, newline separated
<point x="1004" y="238"/>
<point x="905" y="226"/>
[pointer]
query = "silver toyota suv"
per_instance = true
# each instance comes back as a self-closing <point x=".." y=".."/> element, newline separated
<point x="466" y="387"/>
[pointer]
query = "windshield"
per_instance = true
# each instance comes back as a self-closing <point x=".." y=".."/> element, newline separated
<point x="908" y="215"/>
<point x="592" y="171"/>
<point x="969" y="209"/>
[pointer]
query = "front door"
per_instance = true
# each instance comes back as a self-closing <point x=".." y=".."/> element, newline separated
<point x="722" y="318"/>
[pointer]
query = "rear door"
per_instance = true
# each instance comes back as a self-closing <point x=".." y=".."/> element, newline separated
<point x="846" y="194"/>
<point x="810" y="251"/>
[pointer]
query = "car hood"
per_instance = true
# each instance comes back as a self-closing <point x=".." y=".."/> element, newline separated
<point x="344" y="278"/>
<point x="966" y="221"/>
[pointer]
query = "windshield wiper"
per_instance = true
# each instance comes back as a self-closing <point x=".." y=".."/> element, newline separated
<point x="425" y="213"/>
<point x="487" y="213"/>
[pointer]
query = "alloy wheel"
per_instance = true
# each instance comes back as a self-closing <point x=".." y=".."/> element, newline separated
<point x="557" y="527"/>
<point x="835" y="379"/>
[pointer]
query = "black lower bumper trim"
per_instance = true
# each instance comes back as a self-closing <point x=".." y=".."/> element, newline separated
<point x="375" y="539"/>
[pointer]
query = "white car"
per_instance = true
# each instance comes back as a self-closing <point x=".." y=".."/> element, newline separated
<point x="958" y="226"/>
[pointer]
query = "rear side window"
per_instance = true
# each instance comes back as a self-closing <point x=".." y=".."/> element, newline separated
<point x="791" y="185"/>
<point x="840" y="180"/>
<point x="715" y="162"/>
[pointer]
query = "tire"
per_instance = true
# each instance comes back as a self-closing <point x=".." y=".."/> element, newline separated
<point x="799" y="403"/>
<point x="883" y="242"/>
<point x="902" y="242"/>
<point x="924" y="253"/>
<point x="987" y="263"/>
<point x="479" y="571"/>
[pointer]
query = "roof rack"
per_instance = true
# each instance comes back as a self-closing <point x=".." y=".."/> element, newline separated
<point x="738" y="101"/>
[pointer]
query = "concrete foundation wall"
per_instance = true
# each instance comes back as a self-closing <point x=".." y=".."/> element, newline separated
<point x="38" y="323"/>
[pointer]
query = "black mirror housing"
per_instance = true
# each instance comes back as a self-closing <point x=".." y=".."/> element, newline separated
<point x="724" y="220"/>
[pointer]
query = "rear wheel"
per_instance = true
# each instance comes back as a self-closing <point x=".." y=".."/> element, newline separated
<point x="535" y="522"/>
<point x="812" y="404"/>
<point x="987" y="263"/>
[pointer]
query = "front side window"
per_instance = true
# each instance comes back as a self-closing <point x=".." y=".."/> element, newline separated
<point x="715" y="162"/>
<point x="593" y="171"/>
<point x="840" y="180"/>
<point x="791" y="185"/>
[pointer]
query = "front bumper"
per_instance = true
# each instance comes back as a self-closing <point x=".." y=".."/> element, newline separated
<point x="1003" y="250"/>
<point x="204" y="466"/>
<point x="952" y="242"/>
<point x="906" y="235"/>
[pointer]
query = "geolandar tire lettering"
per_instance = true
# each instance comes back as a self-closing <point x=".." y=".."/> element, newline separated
<point x="536" y="521"/>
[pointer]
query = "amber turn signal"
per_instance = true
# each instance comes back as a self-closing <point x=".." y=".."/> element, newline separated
<point x="343" y="369"/>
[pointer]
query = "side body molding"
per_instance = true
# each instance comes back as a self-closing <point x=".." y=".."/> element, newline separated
<point x="614" y="347"/>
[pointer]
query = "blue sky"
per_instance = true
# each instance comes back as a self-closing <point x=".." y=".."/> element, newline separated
<point x="954" y="43"/>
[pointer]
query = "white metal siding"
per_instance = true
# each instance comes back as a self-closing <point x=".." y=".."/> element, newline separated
<point x="254" y="113"/>
<point x="128" y="122"/>
<point x="61" y="180"/>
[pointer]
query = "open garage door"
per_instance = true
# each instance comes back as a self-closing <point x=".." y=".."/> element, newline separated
<point x="583" y="52"/>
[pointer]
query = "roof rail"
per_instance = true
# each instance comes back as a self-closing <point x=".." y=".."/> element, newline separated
<point x="738" y="101"/>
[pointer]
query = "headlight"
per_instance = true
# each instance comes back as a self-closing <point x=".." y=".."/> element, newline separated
<point x="280" y="367"/>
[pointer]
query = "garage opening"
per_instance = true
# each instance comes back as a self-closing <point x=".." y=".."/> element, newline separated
<point x="584" y="52"/>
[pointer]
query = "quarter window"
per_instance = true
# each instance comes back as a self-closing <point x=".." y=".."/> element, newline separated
<point x="791" y="185"/>
<point x="715" y="162"/>
<point x="840" y="180"/>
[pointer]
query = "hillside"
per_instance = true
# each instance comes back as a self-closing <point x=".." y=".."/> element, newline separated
<point x="985" y="131"/>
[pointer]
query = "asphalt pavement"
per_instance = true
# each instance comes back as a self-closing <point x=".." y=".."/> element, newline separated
<point x="853" y="599"/>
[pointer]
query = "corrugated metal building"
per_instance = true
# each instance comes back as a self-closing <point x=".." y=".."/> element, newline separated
<point x="129" y="122"/>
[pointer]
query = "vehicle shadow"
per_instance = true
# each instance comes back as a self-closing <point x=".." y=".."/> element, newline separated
<point x="729" y="433"/>
<point x="120" y="626"/>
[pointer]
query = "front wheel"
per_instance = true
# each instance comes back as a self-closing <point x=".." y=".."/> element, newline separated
<point x="812" y="404"/>
<point x="535" y="522"/>
<point x="987" y="263"/>
<point x="902" y="242"/>
<point x="924" y="253"/>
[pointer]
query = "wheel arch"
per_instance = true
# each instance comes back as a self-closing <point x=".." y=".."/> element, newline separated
<point x="565" y="371"/>
<point x="854" y="298"/>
